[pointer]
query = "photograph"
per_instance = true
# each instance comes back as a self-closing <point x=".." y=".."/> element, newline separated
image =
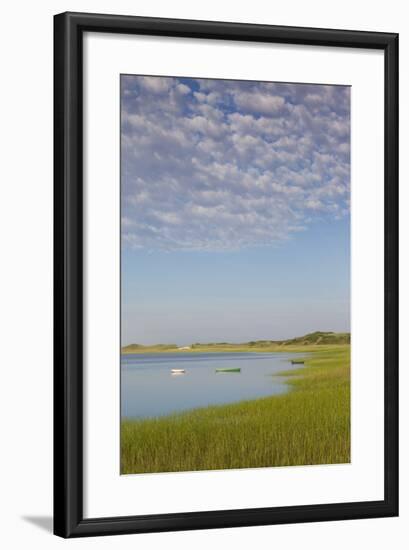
<point x="225" y="342"/>
<point x="235" y="274"/>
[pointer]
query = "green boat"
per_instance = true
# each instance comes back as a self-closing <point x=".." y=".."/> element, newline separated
<point x="297" y="362"/>
<point x="228" y="370"/>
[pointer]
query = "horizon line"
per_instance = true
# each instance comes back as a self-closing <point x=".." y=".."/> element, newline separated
<point x="316" y="332"/>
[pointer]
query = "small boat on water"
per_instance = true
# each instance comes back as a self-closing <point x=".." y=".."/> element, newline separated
<point x="228" y="370"/>
<point x="178" y="371"/>
<point x="297" y="362"/>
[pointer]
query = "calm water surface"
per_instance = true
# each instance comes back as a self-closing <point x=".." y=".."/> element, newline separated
<point x="148" y="387"/>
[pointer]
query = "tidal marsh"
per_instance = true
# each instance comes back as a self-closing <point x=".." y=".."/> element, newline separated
<point x="308" y="425"/>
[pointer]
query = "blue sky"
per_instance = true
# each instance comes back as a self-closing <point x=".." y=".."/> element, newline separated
<point x="235" y="209"/>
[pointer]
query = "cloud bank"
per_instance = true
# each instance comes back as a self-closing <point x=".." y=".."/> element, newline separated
<point x="224" y="165"/>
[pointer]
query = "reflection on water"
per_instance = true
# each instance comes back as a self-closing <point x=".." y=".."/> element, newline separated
<point x="150" y="388"/>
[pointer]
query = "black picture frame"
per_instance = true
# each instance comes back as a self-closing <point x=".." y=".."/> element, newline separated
<point x="68" y="274"/>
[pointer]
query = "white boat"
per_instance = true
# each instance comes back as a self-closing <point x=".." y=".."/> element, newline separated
<point x="178" y="371"/>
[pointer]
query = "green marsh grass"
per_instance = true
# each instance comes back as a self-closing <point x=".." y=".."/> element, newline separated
<point x="308" y="425"/>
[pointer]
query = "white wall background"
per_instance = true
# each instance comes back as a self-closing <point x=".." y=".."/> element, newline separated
<point x="26" y="270"/>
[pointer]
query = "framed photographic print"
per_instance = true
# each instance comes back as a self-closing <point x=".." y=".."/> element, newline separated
<point x="226" y="275"/>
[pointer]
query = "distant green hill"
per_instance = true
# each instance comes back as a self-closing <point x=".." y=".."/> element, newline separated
<point x="321" y="338"/>
<point x="313" y="338"/>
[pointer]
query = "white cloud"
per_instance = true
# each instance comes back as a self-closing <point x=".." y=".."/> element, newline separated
<point x="259" y="103"/>
<point x="155" y="84"/>
<point x="211" y="164"/>
<point x="183" y="89"/>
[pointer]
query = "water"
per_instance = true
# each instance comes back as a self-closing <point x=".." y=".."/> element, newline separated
<point x="148" y="388"/>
